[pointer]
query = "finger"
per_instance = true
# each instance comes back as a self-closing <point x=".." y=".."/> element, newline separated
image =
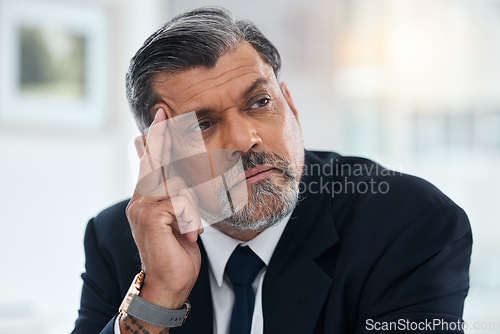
<point x="183" y="223"/>
<point x="159" y="142"/>
<point x="162" y="214"/>
<point x="178" y="187"/>
<point x="190" y="194"/>
<point x="170" y="188"/>
<point x="192" y="236"/>
<point x="146" y="165"/>
<point x="146" y="214"/>
<point x="187" y="216"/>
<point x="152" y="158"/>
<point x="151" y="185"/>
<point x="156" y="153"/>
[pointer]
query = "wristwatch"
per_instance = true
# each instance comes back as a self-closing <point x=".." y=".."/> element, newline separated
<point x="135" y="306"/>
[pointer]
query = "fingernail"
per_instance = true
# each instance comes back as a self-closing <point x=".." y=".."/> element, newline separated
<point x="158" y="113"/>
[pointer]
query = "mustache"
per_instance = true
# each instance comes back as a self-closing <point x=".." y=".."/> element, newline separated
<point x="254" y="159"/>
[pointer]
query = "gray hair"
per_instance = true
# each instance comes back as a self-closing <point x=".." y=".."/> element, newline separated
<point x="193" y="39"/>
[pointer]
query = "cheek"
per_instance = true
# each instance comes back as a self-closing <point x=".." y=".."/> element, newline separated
<point x="287" y="141"/>
<point x="294" y="144"/>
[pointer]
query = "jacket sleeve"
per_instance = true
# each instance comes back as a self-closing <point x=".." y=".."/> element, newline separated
<point x="420" y="280"/>
<point x="100" y="293"/>
<point x="110" y="327"/>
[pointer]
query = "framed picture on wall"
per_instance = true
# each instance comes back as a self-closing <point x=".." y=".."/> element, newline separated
<point x="53" y="64"/>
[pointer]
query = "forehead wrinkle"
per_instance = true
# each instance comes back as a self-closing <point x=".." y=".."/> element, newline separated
<point x="243" y="93"/>
<point x="222" y="84"/>
<point x="265" y="81"/>
<point x="201" y="82"/>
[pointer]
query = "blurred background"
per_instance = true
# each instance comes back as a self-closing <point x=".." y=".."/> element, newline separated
<point x="412" y="84"/>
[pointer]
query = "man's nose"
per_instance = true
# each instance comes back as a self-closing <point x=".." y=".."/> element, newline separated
<point x="240" y="133"/>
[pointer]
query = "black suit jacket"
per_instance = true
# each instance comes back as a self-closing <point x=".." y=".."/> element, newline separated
<point x="353" y="257"/>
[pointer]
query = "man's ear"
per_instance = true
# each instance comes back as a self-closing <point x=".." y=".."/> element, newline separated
<point x="288" y="99"/>
<point x="140" y="145"/>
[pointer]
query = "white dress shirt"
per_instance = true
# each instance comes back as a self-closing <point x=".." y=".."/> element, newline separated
<point x="219" y="247"/>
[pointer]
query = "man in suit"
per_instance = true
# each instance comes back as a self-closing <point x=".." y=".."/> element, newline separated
<point x="335" y="244"/>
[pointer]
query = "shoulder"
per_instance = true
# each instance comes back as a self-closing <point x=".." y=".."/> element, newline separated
<point x="110" y="247"/>
<point x="398" y="245"/>
<point x="110" y="226"/>
<point x="112" y="218"/>
<point x="367" y="196"/>
<point x="390" y="194"/>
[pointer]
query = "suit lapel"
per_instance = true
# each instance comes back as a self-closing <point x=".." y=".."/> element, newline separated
<point x="296" y="287"/>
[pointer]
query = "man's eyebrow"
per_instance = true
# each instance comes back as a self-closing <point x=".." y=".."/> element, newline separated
<point x="203" y="112"/>
<point x="255" y="85"/>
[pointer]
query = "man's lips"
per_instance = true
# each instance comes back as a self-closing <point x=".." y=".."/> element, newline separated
<point x="256" y="170"/>
<point x="251" y="175"/>
<point x="258" y="173"/>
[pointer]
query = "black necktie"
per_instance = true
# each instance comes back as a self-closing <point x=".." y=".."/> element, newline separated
<point x="242" y="267"/>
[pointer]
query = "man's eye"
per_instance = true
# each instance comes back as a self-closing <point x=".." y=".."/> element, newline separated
<point x="260" y="103"/>
<point x="204" y="125"/>
<point x="198" y="127"/>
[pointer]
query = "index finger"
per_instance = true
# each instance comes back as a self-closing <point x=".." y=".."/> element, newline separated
<point x="154" y="164"/>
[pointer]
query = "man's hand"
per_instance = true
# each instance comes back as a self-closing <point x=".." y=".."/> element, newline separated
<point x="170" y="259"/>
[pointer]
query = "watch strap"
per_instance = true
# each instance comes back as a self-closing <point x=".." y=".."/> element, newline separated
<point x="157" y="316"/>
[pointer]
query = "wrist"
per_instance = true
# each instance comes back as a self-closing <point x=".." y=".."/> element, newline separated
<point x="161" y="291"/>
<point x="162" y="297"/>
<point x="164" y="310"/>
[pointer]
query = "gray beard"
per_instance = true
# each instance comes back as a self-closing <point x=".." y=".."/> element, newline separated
<point x="267" y="202"/>
<point x="267" y="205"/>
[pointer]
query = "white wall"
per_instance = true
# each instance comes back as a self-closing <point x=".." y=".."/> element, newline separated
<point x="52" y="180"/>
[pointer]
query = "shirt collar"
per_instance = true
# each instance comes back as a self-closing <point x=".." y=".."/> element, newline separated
<point x="219" y="246"/>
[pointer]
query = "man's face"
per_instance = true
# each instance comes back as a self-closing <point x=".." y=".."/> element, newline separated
<point x="241" y="109"/>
